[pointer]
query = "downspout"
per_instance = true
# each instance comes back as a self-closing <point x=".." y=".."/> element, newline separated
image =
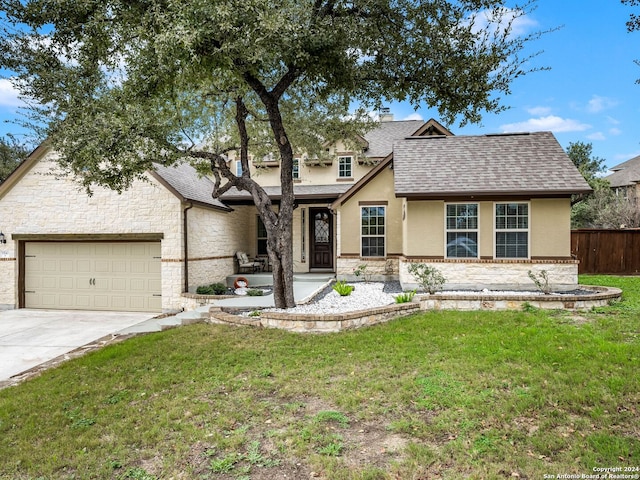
<point x="185" y="232"/>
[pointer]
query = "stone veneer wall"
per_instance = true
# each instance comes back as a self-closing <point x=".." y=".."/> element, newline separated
<point x="381" y="269"/>
<point x="214" y="237"/>
<point x="496" y="274"/>
<point x="45" y="203"/>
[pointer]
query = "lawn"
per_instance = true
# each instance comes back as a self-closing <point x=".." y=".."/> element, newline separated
<point x="436" y="395"/>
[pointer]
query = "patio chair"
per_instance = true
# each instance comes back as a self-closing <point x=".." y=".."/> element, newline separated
<point x="244" y="264"/>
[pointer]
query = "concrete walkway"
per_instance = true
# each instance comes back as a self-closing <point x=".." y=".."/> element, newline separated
<point x="305" y="287"/>
<point x="29" y="338"/>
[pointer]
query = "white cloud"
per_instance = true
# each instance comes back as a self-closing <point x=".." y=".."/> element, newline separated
<point x="413" y="116"/>
<point x="8" y="94"/>
<point x="612" y="120"/>
<point x="598" y="104"/>
<point x="550" y="122"/>
<point x="498" y="20"/>
<point x="538" y="111"/>
<point x="596" y="136"/>
<point x="615" y="131"/>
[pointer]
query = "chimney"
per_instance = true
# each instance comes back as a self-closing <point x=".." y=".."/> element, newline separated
<point x="386" y="115"/>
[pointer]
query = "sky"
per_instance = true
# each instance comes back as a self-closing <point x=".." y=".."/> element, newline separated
<point x="588" y="94"/>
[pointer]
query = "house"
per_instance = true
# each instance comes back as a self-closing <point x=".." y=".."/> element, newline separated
<point x="625" y="179"/>
<point x="484" y="210"/>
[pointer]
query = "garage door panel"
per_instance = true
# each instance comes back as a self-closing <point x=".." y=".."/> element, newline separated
<point x="100" y="275"/>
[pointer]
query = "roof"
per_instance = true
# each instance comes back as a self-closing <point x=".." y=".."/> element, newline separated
<point x="187" y="184"/>
<point x="380" y="139"/>
<point x="506" y="164"/>
<point x="302" y="192"/>
<point x="625" y="174"/>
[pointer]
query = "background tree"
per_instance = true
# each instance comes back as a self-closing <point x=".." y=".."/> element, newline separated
<point x="120" y="84"/>
<point x="604" y="207"/>
<point x="11" y="154"/>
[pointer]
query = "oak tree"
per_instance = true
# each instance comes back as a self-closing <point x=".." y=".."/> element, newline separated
<point x="117" y="85"/>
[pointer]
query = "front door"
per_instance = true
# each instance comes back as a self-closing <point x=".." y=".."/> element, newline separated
<point x="321" y="234"/>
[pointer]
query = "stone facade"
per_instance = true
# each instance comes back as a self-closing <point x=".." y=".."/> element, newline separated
<point x="496" y="274"/>
<point x="43" y="202"/>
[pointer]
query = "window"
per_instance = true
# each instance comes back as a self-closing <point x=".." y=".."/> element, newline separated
<point x="238" y="168"/>
<point x="462" y="230"/>
<point x="512" y="230"/>
<point x="262" y="238"/>
<point x="344" y="167"/>
<point x="296" y="168"/>
<point x="372" y="220"/>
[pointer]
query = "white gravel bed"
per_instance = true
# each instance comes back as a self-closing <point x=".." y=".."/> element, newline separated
<point x="363" y="296"/>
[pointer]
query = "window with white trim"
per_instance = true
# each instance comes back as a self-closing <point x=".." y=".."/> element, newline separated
<point x="238" y="168"/>
<point x="512" y="230"/>
<point x="461" y="230"/>
<point x="345" y="167"/>
<point x="372" y="231"/>
<point x="296" y="169"/>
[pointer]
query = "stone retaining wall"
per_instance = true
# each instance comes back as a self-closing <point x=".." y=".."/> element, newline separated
<point x="311" y="323"/>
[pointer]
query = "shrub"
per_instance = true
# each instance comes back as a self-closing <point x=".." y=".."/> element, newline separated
<point x="343" y="289"/>
<point x="213" y="289"/>
<point x="405" y="297"/>
<point x="541" y="281"/>
<point x="429" y="278"/>
<point x="255" y="292"/>
<point x="361" y="270"/>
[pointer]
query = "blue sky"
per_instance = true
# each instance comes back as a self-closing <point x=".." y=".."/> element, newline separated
<point x="588" y="95"/>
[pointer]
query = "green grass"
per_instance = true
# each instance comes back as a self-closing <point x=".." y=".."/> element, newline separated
<point x="449" y="394"/>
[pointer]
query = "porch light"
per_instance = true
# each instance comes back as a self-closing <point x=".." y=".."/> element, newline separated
<point x="2" y="238"/>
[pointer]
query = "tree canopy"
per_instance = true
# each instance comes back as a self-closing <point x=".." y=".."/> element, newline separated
<point x="12" y="153"/>
<point x="120" y="84"/>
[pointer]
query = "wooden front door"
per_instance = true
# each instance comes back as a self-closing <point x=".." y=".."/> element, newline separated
<point x="321" y="234"/>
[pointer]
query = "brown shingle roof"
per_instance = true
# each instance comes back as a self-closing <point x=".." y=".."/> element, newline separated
<point x="509" y="164"/>
<point x="187" y="183"/>
<point x="381" y="138"/>
<point x="626" y="173"/>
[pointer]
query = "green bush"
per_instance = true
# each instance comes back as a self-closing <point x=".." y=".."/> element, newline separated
<point x="255" y="292"/>
<point x="429" y="278"/>
<point x="213" y="289"/>
<point x="343" y="289"/>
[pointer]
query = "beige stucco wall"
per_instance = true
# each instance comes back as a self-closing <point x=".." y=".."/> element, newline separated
<point x="380" y="189"/>
<point x="43" y="203"/>
<point x="550" y="227"/>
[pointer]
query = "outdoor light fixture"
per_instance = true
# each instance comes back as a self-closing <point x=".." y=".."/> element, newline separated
<point x="2" y="238"/>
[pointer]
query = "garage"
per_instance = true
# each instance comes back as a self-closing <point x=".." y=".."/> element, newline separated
<point x="100" y="275"/>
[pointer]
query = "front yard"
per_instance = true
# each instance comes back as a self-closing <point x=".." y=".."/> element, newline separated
<point x="436" y="395"/>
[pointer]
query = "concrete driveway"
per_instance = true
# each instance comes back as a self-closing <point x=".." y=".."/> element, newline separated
<point x="29" y="338"/>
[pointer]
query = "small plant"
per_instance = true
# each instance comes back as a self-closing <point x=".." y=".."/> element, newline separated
<point x="405" y="297"/>
<point x="361" y="271"/>
<point x="254" y="313"/>
<point x="429" y="278"/>
<point x="342" y="288"/>
<point x="541" y="280"/>
<point x="332" y="416"/>
<point x="255" y="292"/>
<point x="527" y="307"/>
<point x="213" y="289"/>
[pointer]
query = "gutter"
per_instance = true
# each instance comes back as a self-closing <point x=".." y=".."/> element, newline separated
<point x="185" y="233"/>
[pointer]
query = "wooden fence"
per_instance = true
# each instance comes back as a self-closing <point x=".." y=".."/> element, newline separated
<point x="607" y="251"/>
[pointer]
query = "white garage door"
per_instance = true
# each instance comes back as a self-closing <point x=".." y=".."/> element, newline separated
<point x="119" y="276"/>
